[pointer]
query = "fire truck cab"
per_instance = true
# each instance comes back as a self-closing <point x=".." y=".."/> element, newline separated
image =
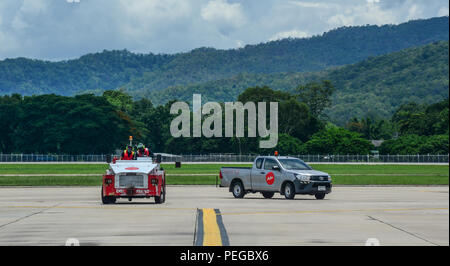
<point x="140" y="178"/>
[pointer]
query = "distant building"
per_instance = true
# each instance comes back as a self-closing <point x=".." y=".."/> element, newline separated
<point x="377" y="143"/>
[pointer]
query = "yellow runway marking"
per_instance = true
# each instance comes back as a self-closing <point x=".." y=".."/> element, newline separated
<point x="211" y="231"/>
<point x="332" y="211"/>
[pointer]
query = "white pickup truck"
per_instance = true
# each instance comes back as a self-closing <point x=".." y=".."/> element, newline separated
<point x="270" y="174"/>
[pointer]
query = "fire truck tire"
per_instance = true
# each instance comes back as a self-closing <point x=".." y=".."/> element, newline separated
<point x="107" y="200"/>
<point x="162" y="198"/>
<point x="268" y="195"/>
<point x="320" y="196"/>
<point x="289" y="191"/>
<point x="238" y="189"/>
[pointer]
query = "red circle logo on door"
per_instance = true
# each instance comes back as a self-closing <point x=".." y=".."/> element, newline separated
<point x="270" y="178"/>
<point x="132" y="168"/>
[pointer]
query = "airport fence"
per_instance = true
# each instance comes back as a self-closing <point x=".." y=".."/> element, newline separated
<point x="366" y="158"/>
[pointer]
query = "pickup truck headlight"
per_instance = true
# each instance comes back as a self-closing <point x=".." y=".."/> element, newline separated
<point x="302" y="177"/>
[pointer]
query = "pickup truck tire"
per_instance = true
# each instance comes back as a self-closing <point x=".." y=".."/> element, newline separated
<point x="289" y="191"/>
<point x="268" y="195"/>
<point x="237" y="189"/>
<point x="320" y="196"/>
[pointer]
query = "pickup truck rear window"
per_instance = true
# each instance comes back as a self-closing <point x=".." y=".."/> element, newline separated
<point x="259" y="163"/>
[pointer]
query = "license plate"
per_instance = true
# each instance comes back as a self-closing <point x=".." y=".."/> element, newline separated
<point x="322" y="188"/>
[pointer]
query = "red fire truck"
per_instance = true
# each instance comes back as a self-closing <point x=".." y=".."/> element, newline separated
<point x="140" y="178"/>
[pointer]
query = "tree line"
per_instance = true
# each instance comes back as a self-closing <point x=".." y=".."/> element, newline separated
<point x="89" y="124"/>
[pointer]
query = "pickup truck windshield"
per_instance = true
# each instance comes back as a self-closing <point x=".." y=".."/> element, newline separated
<point x="294" y="164"/>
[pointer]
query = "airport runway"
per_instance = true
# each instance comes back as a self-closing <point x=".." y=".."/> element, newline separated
<point x="348" y="216"/>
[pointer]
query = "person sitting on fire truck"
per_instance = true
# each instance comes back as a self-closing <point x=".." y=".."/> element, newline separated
<point x="128" y="154"/>
<point x="142" y="151"/>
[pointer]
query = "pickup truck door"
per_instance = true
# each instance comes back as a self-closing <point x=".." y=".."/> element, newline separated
<point x="271" y="179"/>
<point x="258" y="174"/>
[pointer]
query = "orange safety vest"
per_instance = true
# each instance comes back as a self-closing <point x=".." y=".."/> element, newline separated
<point x="127" y="156"/>
<point x="145" y="153"/>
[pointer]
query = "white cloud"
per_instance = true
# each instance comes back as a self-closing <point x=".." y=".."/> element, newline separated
<point x="316" y="4"/>
<point x="415" y="12"/>
<point x="443" y="11"/>
<point x="28" y="12"/>
<point x="223" y="15"/>
<point x="57" y="29"/>
<point x="31" y="7"/>
<point x="366" y="13"/>
<point x="289" y="34"/>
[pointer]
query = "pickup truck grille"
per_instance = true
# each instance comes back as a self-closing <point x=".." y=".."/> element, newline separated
<point x="319" y="178"/>
<point x="126" y="181"/>
<point x="327" y="185"/>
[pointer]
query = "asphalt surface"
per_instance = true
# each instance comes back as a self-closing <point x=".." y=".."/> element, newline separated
<point x="348" y="216"/>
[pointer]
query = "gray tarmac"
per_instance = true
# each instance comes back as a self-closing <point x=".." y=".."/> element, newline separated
<point x="348" y="216"/>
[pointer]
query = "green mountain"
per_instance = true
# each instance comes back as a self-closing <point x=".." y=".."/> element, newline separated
<point x="143" y="74"/>
<point x="374" y="87"/>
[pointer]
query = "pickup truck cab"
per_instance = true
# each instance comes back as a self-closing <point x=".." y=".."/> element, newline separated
<point x="276" y="174"/>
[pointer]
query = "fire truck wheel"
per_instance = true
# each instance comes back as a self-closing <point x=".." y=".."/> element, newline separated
<point x="289" y="191"/>
<point x="268" y="195"/>
<point x="162" y="198"/>
<point x="107" y="200"/>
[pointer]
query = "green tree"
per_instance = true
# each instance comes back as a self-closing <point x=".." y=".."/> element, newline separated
<point x="119" y="99"/>
<point x="84" y="124"/>
<point x="316" y="95"/>
<point x="336" y="140"/>
<point x="287" y="145"/>
<point x="10" y="113"/>
<point x="372" y="129"/>
<point x="425" y="120"/>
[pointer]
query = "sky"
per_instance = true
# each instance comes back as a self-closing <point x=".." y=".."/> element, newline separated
<point x="65" y="29"/>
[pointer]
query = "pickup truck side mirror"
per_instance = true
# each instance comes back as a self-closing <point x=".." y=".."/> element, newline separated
<point x="276" y="168"/>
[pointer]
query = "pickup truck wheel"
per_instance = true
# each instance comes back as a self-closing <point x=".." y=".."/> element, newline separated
<point x="320" y="196"/>
<point x="268" y="195"/>
<point x="289" y="191"/>
<point x="238" y="190"/>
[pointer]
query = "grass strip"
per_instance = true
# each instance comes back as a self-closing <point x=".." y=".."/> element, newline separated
<point x="211" y="180"/>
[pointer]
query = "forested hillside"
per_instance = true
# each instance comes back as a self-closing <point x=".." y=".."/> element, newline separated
<point x="374" y="87"/>
<point x="88" y="124"/>
<point x="144" y="73"/>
